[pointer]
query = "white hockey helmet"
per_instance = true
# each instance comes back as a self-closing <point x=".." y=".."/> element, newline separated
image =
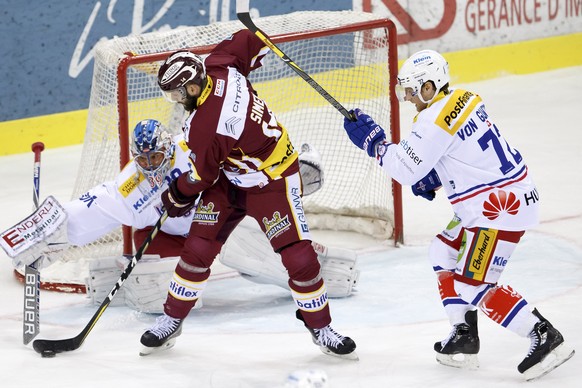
<point x="421" y="67"/>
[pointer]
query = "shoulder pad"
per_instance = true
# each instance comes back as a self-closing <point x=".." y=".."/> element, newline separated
<point x="456" y="109"/>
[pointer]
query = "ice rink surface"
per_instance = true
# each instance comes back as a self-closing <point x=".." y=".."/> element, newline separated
<point x="246" y="334"/>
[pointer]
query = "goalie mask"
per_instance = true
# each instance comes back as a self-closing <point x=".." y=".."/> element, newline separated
<point x="152" y="149"/>
<point x="421" y="67"/>
<point x="177" y="70"/>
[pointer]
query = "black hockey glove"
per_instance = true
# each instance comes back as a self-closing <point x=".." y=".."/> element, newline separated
<point x="175" y="202"/>
<point x="427" y="186"/>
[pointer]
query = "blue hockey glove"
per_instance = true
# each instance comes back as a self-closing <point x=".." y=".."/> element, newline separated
<point x="426" y="187"/>
<point x="364" y="132"/>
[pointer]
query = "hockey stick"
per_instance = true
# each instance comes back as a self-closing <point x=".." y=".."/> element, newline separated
<point x="31" y="318"/>
<point x="48" y="348"/>
<point x="242" y="12"/>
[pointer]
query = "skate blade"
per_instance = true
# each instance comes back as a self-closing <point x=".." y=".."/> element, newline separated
<point x="145" y="351"/>
<point x="460" y="360"/>
<point x="350" y="356"/>
<point x="554" y="359"/>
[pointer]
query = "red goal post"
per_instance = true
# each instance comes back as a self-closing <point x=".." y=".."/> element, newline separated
<point x="352" y="55"/>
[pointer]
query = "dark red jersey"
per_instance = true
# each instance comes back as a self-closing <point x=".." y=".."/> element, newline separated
<point x="233" y="129"/>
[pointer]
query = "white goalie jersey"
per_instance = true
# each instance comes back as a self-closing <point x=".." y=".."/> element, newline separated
<point x="128" y="200"/>
<point x="131" y="200"/>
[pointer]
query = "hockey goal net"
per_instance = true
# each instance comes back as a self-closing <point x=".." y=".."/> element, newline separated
<point x="352" y="55"/>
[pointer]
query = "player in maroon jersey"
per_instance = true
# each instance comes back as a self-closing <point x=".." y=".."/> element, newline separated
<point x="243" y="163"/>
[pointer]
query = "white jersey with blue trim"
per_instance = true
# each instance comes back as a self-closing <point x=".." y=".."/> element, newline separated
<point x="486" y="180"/>
<point x="128" y="200"/>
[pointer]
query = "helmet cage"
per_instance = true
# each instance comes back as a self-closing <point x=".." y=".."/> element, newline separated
<point x="152" y="149"/>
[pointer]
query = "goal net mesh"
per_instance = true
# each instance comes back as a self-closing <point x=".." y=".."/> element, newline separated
<point x="351" y="64"/>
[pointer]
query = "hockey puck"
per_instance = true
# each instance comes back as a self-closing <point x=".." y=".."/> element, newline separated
<point x="47" y="353"/>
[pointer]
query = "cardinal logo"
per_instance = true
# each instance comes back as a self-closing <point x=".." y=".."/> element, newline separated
<point x="500" y="202"/>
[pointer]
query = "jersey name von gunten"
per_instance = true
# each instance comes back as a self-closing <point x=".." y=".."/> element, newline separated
<point x="485" y="179"/>
<point x="233" y="130"/>
<point x="128" y="200"/>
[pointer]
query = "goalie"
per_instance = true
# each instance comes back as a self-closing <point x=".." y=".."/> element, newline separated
<point x="133" y="198"/>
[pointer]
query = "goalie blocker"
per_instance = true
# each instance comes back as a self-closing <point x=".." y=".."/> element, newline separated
<point x="43" y="232"/>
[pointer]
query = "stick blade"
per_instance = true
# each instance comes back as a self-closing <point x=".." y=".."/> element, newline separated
<point x="56" y="346"/>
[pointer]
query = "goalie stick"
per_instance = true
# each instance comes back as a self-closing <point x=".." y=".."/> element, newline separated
<point x="31" y="308"/>
<point x="48" y="348"/>
<point x="242" y="13"/>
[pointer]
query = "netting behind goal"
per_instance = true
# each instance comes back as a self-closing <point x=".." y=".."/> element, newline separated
<point x="352" y="55"/>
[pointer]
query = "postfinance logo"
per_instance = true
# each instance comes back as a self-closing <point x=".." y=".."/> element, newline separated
<point x="457" y="110"/>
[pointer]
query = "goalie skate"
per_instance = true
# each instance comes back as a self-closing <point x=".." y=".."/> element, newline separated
<point x="330" y="342"/>
<point x="460" y="348"/>
<point x="161" y="336"/>
<point x="547" y="351"/>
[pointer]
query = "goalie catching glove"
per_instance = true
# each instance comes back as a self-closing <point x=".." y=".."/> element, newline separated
<point x="364" y="132"/>
<point x="175" y="202"/>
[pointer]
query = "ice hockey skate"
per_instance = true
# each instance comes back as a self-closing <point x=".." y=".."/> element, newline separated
<point x="460" y="348"/>
<point x="330" y="342"/>
<point x="161" y="336"/>
<point x="547" y="350"/>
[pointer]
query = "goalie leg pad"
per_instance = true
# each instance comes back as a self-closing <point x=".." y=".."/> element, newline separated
<point x="248" y="251"/>
<point x="103" y="274"/>
<point x="146" y="289"/>
<point x="338" y="270"/>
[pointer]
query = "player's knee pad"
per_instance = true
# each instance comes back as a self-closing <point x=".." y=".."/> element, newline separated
<point x="507" y="307"/>
<point x="200" y="252"/>
<point x="301" y="262"/>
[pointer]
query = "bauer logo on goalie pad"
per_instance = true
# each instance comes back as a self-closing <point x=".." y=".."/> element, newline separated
<point x="35" y="228"/>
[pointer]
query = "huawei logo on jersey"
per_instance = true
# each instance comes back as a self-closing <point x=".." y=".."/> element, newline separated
<point x="500" y="202"/>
